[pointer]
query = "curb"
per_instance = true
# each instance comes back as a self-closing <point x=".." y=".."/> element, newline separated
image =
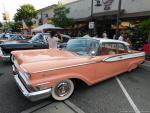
<point x="55" y="107"/>
<point x="37" y="107"/>
<point x="73" y="107"/>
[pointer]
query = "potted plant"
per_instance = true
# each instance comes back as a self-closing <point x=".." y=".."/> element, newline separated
<point x="145" y="26"/>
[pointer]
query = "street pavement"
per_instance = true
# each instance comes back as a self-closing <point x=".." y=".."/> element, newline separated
<point x="11" y="99"/>
<point x="104" y="97"/>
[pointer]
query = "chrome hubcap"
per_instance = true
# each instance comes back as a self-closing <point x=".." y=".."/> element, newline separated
<point x="63" y="89"/>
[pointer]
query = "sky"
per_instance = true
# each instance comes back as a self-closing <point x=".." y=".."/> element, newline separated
<point x="12" y="5"/>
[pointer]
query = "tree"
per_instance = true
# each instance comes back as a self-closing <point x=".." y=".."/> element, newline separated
<point x="26" y="13"/>
<point x="60" y="16"/>
<point x="145" y="27"/>
<point x="16" y="26"/>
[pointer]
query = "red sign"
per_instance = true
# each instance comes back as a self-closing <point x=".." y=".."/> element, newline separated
<point x="107" y="4"/>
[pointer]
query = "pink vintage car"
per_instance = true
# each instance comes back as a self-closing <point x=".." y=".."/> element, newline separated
<point x="42" y="73"/>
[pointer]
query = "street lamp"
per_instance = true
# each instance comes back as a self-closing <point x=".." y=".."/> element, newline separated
<point x="91" y="23"/>
<point x="118" y="18"/>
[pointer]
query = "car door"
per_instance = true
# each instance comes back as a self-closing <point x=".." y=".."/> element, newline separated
<point x="113" y="63"/>
<point x="39" y="43"/>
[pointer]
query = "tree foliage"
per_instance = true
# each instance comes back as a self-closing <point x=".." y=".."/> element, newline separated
<point x="26" y="13"/>
<point x="145" y="27"/>
<point x="60" y="16"/>
<point x="16" y="26"/>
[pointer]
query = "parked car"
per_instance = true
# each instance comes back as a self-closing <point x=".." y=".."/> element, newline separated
<point x="42" y="73"/>
<point x="66" y="38"/>
<point x="10" y="37"/>
<point x="39" y="41"/>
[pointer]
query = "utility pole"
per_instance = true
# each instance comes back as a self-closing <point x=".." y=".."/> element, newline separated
<point x="91" y="23"/>
<point x="118" y="19"/>
<point x="4" y="17"/>
<point x="41" y="18"/>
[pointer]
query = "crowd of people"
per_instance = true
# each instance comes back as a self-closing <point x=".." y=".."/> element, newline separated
<point x="56" y="37"/>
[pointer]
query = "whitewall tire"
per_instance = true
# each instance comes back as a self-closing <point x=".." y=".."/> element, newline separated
<point x="63" y="90"/>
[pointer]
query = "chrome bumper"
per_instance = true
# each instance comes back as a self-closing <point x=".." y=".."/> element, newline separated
<point x="33" y="96"/>
<point x="5" y="58"/>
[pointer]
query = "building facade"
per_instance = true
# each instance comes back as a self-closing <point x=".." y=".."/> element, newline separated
<point x="44" y="15"/>
<point x="104" y="15"/>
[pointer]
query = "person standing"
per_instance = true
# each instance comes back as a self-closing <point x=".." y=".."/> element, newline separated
<point x="105" y="35"/>
<point x="53" y="40"/>
<point x="85" y="34"/>
<point x="121" y="38"/>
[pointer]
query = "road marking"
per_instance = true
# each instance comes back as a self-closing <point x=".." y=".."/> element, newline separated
<point x="128" y="96"/>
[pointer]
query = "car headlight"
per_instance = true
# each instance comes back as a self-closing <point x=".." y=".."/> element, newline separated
<point x="40" y="87"/>
<point x="26" y="74"/>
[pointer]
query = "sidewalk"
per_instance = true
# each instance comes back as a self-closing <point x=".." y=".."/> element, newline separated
<point x="55" y="107"/>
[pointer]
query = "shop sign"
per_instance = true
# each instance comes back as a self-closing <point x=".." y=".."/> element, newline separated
<point x="107" y="4"/>
<point x="91" y="25"/>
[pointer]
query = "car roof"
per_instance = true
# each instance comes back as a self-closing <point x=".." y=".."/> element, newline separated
<point x="104" y="40"/>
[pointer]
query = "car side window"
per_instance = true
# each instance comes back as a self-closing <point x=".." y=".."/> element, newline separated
<point x="108" y="49"/>
<point x="122" y="48"/>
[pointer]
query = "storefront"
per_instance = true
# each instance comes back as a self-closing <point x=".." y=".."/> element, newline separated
<point x="105" y="15"/>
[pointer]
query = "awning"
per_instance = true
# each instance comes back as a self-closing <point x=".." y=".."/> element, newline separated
<point x="44" y="27"/>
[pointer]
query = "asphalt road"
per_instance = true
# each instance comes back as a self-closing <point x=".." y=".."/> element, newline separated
<point x="108" y="97"/>
<point x="105" y="97"/>
<point x="11" y="100"/>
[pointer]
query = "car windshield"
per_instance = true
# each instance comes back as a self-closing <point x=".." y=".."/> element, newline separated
<point x="15" y="37"/>
<point x="83" y="47"/>
<point x="38" y="38"/>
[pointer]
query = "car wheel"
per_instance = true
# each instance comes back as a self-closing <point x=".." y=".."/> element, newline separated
<point x="63" y="90"/>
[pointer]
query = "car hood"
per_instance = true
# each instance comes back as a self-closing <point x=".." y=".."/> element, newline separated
<point x="7" y="42"/>
<point x="31" y="56"/>
<point x="2" y="40"/>
<point x="48" y="59"/>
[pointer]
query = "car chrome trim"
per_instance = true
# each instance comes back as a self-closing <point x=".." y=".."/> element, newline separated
<point x="21" y="74"/>
<point x="124" y="57"/>
<point x="7" y="58"/>
<point x="110" y="59"/>
<point x="33" y="96"/>
<point x="43" y="83"/>
<point x="65" y="67"/>
<point x="24" y="78"/>
<point x="23" y="68"/>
